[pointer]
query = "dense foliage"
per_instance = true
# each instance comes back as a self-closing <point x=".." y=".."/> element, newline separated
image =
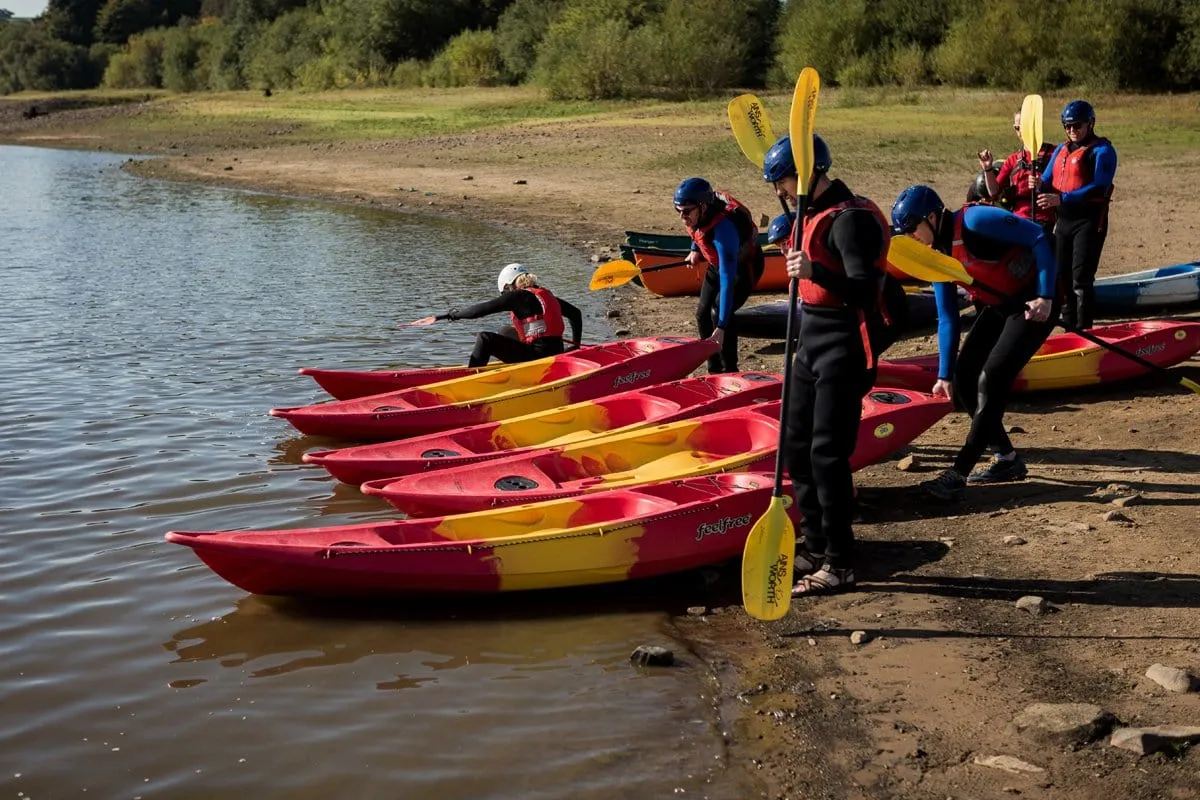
<point x="589" y="49"/>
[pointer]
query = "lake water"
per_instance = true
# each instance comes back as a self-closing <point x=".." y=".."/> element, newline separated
<point x="147" y="329"/>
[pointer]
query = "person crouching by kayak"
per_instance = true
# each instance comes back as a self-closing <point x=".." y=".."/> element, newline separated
<point x="840" y="266"/>
<point x="1011" y="255"/>
<point x="537" y="320"/>
<point x="724" y="235"/>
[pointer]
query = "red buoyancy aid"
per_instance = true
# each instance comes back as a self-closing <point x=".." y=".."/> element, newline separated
<point x="1075" y="169"/>
<point x="1018" y="184"/>
<point x="1009" y="275"/>
<point x="547" y="323"/>
<point x="816" y="245"/>
<point x="742" y="219"/>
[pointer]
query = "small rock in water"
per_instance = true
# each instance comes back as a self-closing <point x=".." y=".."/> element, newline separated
<point x="650" y="655"/>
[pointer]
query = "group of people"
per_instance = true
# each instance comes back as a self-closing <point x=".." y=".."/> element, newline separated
<point x="1032" y="234"/>
<point x="1060" y="197"/>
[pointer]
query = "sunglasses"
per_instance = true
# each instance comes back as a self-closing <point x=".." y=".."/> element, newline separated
<point x="685" y="210"/>
<point x="1074" y="126"/>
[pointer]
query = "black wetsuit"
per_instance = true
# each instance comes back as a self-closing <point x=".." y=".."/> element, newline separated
<point x="506" y="346"/>
<point x="1082" y="228"/>
<point x="830" y="377"/>
<point x="1001" y="340"/>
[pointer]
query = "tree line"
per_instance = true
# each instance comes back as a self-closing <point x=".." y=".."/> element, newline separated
<point x="597" y="49"/>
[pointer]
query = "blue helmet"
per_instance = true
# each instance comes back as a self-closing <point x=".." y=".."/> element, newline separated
<point x="694" y="192"/>
<point x="913" y="206"/>
<point x="1078" y="111"/>
<point x="781" y="227"/>
<point x="779" y="164"/>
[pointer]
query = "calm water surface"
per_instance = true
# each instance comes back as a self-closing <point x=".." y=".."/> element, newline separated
<point x="147" y="328"/>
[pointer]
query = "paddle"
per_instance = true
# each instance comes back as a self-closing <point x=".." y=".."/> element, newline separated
<point x="1031" y="137"/>
<point x="751" y="127"/>
<point x="620" y="272"/>
<point x="771" y="545"/>
<point x="920" y="261"/>
<point x="422" y="322"/>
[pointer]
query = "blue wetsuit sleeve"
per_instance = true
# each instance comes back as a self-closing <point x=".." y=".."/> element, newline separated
<point x="946" y="295"/>
<point x="1003" y="226"/>
<point x="728" y="245"/>
<point x="1104" y="169"/>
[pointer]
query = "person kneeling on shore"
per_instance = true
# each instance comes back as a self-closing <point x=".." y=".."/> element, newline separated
<point x="1008" y="254"/>
<point x="537" y="320"/>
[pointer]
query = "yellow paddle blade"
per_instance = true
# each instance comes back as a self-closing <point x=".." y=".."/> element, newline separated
<point x="802" y="121"/>
<point x="1031" y="124"/>
<point x="924" y="263"/>
<point x="751" y="127"/>
<point x="1188" y="383"/>
<point x="612" y="274"/>
<point x="767" y="563"/>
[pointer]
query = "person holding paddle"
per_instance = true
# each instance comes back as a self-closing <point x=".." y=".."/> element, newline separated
<point x="1010" y="186"/>
<point x="840" y="266"/>
<point x="1012" y="257"/>
<point x="724" y="235"/>
<point x="1078" y="183"/>
<point x="537" y="320"/>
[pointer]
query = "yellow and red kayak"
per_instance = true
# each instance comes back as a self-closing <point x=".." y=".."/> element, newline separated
<point x="620" y="535"/>
<point x="1068" y="361"/>
<point x="741" y="439"/>
<point x="505" y="392"/>
<point x="347" y="384"/>
<point x="666" y="402"/>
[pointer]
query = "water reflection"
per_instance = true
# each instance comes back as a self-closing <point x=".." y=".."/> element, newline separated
<point x="518" y="629"/>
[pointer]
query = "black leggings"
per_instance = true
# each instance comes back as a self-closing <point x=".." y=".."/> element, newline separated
<point x="1000" y="344"/>
<point x="1077" y="247"/>
<point x="506" y="347"/>
<point x="706" y="318"/>
<point x="829" y="380"/>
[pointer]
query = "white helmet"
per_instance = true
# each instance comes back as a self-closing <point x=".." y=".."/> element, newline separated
<point x="508" y="275"/>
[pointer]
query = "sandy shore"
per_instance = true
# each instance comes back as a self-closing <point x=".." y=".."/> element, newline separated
<point x="949" y="662"/>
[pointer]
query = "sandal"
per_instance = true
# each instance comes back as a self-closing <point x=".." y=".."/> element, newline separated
<point x="825" y="581"/>
<point x="806" y="562"/>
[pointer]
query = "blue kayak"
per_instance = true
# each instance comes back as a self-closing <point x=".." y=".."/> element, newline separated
<point x="1175" y="285"/>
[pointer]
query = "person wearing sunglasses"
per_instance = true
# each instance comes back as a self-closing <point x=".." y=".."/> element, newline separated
<point x="1010" y="185"/>
<point x="724" y="235"/>
<point x="1010" y="255"/>
<point x="1078" y="183"/>
<point x="537" y="320"/>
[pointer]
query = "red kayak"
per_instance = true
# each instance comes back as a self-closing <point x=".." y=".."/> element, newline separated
<point x="621" y="535"/>
<point x="504" y="392"/>
<point x="1068" y="361"/>
<point x="347" y="384"/>
<point x="666" y="402"/>
<point x="742" y="439"/>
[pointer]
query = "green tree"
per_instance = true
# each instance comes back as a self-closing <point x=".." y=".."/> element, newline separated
<point x="120" y="19"/>
<point x="520" y="30"/>
<point x="591" y="50"/>
<point x="470" y="59"/>
<point x="292" y="41"/>
<point x="699" y="45"/>
<point x="5" y="15"/>
<point x="830" y="37"/>
<point x="73" y="20"/>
